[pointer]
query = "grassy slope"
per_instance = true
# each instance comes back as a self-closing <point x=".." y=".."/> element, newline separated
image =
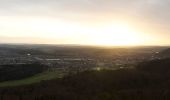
<point x="34" y="79"/>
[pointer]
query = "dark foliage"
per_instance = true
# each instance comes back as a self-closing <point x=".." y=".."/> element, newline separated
<point x="16" y="72"/>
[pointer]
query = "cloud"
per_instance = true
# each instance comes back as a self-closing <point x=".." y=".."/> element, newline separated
<point x="78" y="6"/>
<point x="155" y="10"/>
<point x="147" y="14"/>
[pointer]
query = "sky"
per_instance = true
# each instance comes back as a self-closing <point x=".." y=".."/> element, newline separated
<point x="86" y="22"/>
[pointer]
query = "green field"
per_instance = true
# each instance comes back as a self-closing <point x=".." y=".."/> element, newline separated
<point x="48" y="75"/>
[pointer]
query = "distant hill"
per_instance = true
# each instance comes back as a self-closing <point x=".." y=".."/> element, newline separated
<point x="164" y="53"/>
<point x="155" y="66"/>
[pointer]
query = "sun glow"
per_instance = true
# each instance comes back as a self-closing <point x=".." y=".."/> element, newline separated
<point x="116" y="34"/>
<point x="53" y="31"/>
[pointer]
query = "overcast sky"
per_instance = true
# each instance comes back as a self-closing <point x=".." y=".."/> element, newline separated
<point x="28" y="20"/>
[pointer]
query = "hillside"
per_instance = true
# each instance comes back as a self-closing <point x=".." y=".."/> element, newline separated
<point x="148" y="81"/>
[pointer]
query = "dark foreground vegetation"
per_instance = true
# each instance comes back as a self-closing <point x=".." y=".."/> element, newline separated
<point x="148" y="81"/>
<point x="16" y="72"/>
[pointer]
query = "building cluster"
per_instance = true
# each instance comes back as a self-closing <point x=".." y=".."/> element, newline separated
<point x="68" y="63"/>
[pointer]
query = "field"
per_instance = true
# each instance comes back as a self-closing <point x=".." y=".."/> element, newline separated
<point x="34" y="79"/>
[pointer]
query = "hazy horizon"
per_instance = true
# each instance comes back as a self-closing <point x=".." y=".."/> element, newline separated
<point x="85" y="22"/>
